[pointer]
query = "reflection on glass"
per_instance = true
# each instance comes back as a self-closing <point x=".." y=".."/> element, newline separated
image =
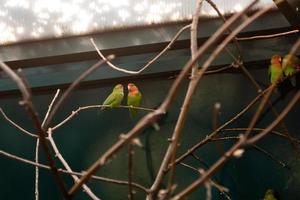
<point x="37" y="19"/>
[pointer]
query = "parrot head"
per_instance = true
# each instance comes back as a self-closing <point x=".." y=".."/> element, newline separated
<point x="132" y="88"/>
<point x="276" y="59"/>
<point x="118" y="88"/>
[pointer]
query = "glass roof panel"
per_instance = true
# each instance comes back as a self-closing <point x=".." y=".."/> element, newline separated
<point x="23" y="20"/>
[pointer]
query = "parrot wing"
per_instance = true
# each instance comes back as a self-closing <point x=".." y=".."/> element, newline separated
<point x="289" y="71"/>
<point x="114" y="99"/>
<point x="134" y="101"/>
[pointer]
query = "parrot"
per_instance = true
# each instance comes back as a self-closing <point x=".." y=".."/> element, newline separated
<point x="269" y="195"/>
<point x="115" y="98"/>
<point x="275" y="69"/>
<point x="289" y="65"/>
<point x="134" y="98"/>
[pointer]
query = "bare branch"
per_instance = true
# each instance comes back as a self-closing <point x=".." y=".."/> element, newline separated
<point x="150" y="62"/>
<point x="267" y="36"/>
<point x="76" y="112"/>
<point x="50" y="106"/>
<point x="185" y="107"/>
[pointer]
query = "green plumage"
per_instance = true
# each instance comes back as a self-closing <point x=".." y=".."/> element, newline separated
<point x="289" y="64"/>
<point x="134" y="99"/>
<point x="115" y="98"/>
<point x="269" y="195"/>
<point x="275" y="69"/>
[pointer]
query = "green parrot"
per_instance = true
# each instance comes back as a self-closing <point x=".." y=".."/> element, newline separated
<point x="134" y="98"/>
<point x="269" y="195"/>
<point x="115" y="98"/>
<point x="289" y="65"/>
<point x="275" y="69"/>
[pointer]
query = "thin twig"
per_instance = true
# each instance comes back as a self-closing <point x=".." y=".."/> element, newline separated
<point x="213" y="71"/>
<point x="76" y="112"/>
<point x="73" y="86"/>
<point x="272" y="157"/>
<point x="215" y="7"/>
<point x="37" y="148"/>
<point x="68" y="168"/>
<point x="267" y="36"/>
<point x="148" y="63"/>
<point x="223" y="190"/>
<point x="36" y="188"/>
<point x="258" y="136"/>
<point x="50" y="106"/>
<point x="16" y="125"/>
<point x="261" y="150"/>
<point x="130" y="154"/>
<point x="277" y="133"/>
<point x="99" y="178"/>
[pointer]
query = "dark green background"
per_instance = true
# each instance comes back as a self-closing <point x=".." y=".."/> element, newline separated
<point x="86" y="137"/>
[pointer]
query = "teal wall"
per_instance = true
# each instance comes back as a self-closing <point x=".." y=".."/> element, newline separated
<point x="86" y="137"/>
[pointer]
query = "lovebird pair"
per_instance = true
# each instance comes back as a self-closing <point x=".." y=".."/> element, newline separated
<point x="286" y="66"/>
<point x="134" y="98"/>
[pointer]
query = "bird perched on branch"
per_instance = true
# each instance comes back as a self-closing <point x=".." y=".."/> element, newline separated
<point x="289" y="65"/>
<point x="115" y="98"/>
<point x="134" y="99"/>
<point x="275" y="69"/>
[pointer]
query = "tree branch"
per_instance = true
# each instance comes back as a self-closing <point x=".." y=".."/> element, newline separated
<point x="76" y="112"/>
<point x="27" y="103"/>
<point x="150" y="62"/>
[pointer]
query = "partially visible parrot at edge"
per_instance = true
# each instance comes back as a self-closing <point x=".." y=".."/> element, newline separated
<point x="269" y="195"/>
<point x="275" y="69"/>
<point x="115" y="98"/>
<point x="134" y="99"/>
<point x="289" y="65"/>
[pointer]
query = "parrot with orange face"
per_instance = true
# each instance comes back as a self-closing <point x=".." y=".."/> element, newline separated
<point x="115" y="98"/>
<point x="275" y="69"/>
<point x="289" y="65"/>
<point x="134" y="99"/>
